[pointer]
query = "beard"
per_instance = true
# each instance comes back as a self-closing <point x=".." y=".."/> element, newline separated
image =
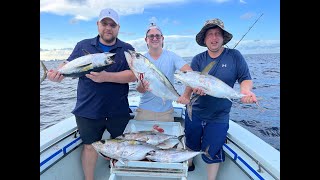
<point x="108" y="38"/>
<point x="215" y="49"/>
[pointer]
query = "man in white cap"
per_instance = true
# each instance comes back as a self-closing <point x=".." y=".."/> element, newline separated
<point x="210" y="115"/>
<point x="102" y="97"/>
<point x="152" y="107"/>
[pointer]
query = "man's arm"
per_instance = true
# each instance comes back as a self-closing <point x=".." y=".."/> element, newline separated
<point x="245" y="88"/>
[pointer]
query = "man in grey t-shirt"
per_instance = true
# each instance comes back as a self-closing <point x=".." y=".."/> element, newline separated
<point x="152" y="107"/>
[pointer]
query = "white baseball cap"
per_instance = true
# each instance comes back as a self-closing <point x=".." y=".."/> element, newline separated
<point x="109" y="13"/>
<point x="153" y="26"/>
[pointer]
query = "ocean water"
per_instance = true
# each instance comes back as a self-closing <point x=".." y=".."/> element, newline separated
<point x="58" y="99"/>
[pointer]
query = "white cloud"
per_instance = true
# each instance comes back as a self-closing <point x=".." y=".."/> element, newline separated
<point x="56" y="54"/>
<point x="86" y="10"/>
<point x="184" y="46"/>
<point x="247" y="15"/>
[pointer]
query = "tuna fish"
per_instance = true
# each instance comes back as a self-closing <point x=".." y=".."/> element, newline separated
<point x="173" y="155"/>
<point x="158" y="83"/>
<point x="211" y="85"/>
<point x="123" y="150"/>
<point x="83" y="65"/>
<point x="168" y="144"/>
<point x="150" y="137"/>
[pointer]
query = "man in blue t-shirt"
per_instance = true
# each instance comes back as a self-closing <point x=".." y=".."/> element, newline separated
<point x="210" y="115"/>
<point x="102" y="97"/>
<point x="152" y="107"/>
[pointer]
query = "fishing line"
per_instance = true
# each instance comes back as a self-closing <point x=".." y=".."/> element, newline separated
<point x="247" y="31"/>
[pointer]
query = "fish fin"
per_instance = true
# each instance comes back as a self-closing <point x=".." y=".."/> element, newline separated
<point x="229" y="99"/>
<point x="45" y="70"/>
<point x="85" y="52"/>
<point x="85" y="65"/>
<point x="123" y="161"/>
<point x="151" y="153"/>
<point x="109" y="54"/>
<point x="175" y="146"/>
<point x="207" y="68"/>
<point x="104" y="155"/>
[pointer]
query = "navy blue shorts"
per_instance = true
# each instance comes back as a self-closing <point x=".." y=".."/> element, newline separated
<point x="91" y="130"/>
<point x="202" y="134"/>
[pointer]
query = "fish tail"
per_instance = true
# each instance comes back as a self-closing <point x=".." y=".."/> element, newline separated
<point x="45" y="70"/>
<point x="180" y="138"/>
<point x="257" y="103"/>
<point x="189" y="110"/>
<point x="189" y="106"/>
<point x="206" y="153"/>
<point x="259" y="107"/>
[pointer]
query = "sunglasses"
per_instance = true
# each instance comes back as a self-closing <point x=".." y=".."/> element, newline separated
<point x="151" y="36"/>
<point x="113" y="25"/>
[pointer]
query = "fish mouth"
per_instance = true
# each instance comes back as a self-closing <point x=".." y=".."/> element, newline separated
<point x="131" y="51"/>
<point x="134" y="54"/>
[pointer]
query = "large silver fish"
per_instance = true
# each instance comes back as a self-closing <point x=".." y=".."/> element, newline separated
<point x="211" y="85"/>
<point x="173" y="155"/>
<point x="83" y="65"/>
<point x="150" y="137"/>
<point x="158" y="83"/>
<point x="123" y="150"/>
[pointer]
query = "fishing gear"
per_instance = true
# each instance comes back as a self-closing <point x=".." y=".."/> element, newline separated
<point x="247" y="31"/>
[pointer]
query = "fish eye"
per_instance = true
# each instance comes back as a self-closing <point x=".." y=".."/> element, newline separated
<point x="137" y="55"/>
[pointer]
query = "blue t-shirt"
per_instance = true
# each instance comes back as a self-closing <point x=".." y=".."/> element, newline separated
<point x="230" y="67"/>
<point x="107" y="99"/>
<point x="167" y="63"/>
<point x="104" y="48"/>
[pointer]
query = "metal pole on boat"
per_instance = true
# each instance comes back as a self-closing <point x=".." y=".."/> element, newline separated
<point x="248" y="31"/>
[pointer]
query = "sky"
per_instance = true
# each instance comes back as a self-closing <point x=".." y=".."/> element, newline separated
<point x="254" y="24"/>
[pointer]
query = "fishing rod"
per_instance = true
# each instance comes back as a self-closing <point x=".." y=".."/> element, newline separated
<point x="248" y="31"/>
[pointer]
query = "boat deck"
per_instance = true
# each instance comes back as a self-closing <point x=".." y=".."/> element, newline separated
<point x="247" y="156"/>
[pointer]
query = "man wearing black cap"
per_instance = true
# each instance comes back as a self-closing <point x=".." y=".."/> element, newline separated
<point x="210" y="115"/>
<point x="102" y="97"/>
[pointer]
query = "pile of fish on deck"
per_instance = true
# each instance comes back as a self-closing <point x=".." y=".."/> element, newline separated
<point x="153" y="145"/>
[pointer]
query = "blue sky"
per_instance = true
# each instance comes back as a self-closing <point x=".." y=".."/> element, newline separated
<point x="65" y="22"/>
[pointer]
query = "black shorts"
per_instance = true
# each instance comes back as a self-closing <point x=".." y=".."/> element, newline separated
<point x="91" y="130"/>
